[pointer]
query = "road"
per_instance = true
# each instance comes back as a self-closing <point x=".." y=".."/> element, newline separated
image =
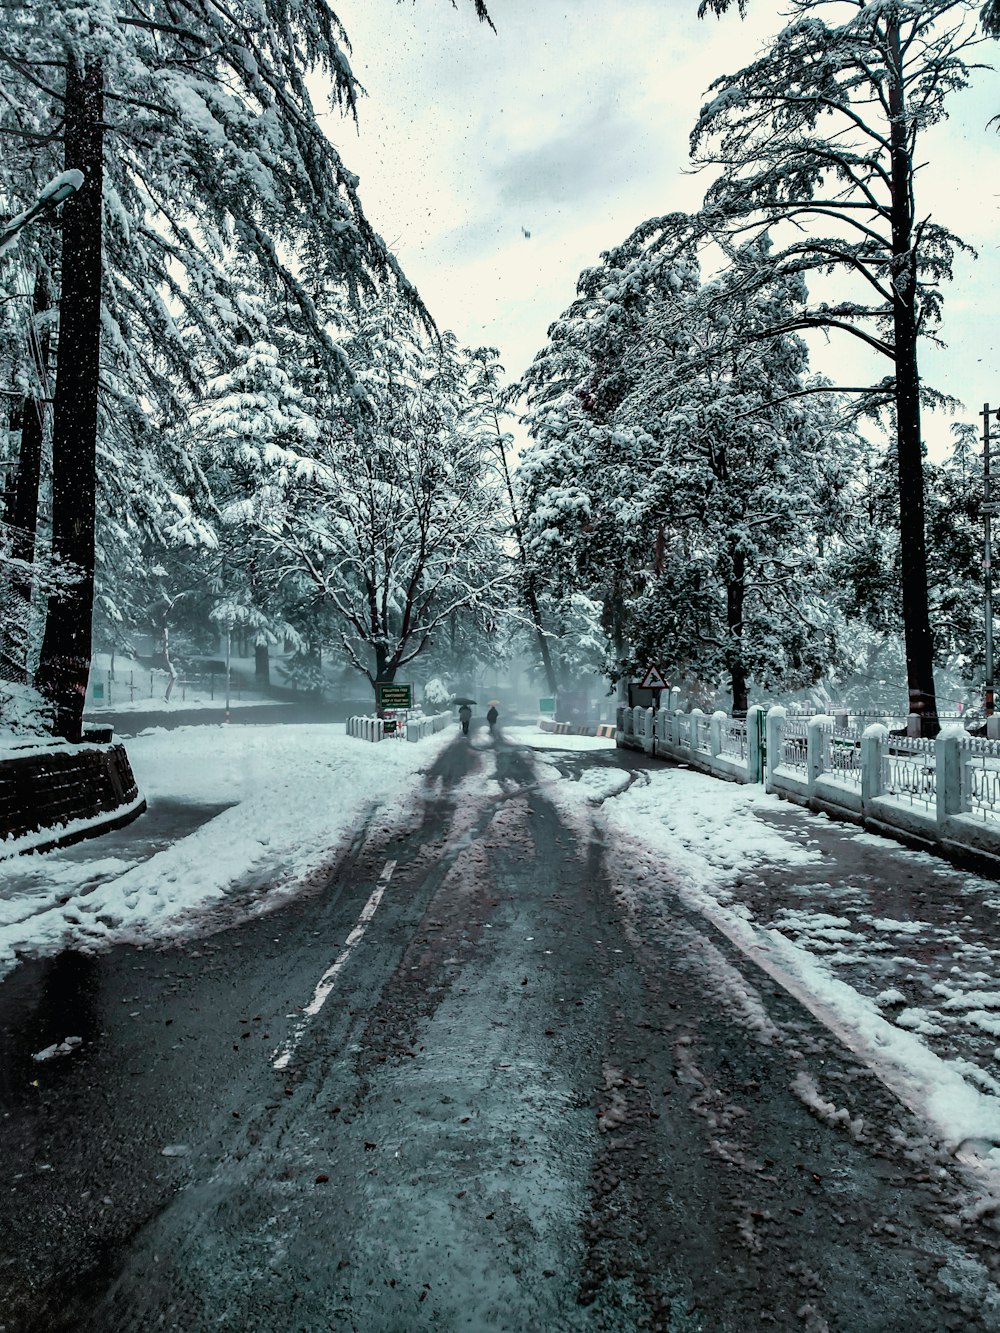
<point x="467" y="1083"/>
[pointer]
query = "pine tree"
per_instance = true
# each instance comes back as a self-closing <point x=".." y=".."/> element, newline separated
<point x="821" y="133"/>
<point x="214" y="151"/>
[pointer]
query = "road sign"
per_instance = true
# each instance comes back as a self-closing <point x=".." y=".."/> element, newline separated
<point x="653" y="680"/>
<point x="546" y="705"/>
<point x="394" y="696"/>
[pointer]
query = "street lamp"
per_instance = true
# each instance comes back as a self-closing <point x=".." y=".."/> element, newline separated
<point x="229" y="636"/>
<point x="988" y="509"/>
<point x="55" y="193"/>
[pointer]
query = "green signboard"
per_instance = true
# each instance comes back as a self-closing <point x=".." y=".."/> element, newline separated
<point x="546" y="705"/>
<point x="393" y="696"/>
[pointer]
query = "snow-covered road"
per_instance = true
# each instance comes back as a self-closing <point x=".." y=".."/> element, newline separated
<point x="717" y="1058"/>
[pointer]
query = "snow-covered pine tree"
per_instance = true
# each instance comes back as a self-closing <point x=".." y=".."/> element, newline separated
<point x="678" y="462"/>
<point x="399" y="525"/>
<point x="816" y="142"/>
<point x="491" y="410"/>
<point x="200" y="121"/>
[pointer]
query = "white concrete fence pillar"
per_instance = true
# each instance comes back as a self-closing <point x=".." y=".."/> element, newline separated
<point x="873" y="740"/>
<point x="774" y="729"/>
<point x="648" y="732"/>
<point x="719" y="720"/>
<point x="948" y="760"/>
<point x="695" y="722"/>
<point x="675" y="699"/>
<point x="817" y="746"/>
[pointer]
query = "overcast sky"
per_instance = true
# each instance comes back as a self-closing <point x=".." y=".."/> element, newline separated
<point x="571" y="122"/>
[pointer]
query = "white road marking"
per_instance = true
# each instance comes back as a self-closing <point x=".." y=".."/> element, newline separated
<point x="328" y="980"/>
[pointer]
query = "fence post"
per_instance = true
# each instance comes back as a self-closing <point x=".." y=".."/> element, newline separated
<point x="817" y="742"/>
<point x="675" y="727"/>
<point x="718" y="721"/>
<point x="675" y="699"/>
<point x="913" y="724"/>
<point x="873" y="739"/>
<point x="648" y="731"/>
<point x="948" y="763"/>
<point x="774" y="729"/>
<point x="696" y="715"/>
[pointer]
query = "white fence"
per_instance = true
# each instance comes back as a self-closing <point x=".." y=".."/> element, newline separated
<point x="414" y="728"/>
<point x="943" y="792"/>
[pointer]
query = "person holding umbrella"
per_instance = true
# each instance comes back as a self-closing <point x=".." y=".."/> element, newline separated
<point x="465" y="717"/>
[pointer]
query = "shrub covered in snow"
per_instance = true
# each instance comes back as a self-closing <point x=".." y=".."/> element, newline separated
<point x="23" y="711"/>
<point x="436" y="695"/>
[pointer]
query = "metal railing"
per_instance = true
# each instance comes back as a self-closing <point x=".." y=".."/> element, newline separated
<point x="701" y="734"/>
<point x="980" y="777"/>
<point x="909" y="770"/>
<point x="843" y="759"/>
<point x="734" y="739"/>
<point x="794" y="744"/>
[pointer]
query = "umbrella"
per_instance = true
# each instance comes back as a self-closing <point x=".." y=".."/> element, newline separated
<point x="457" y="700"/>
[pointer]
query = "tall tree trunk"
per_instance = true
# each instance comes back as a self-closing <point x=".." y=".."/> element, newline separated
<point x="909" y="455"/>
<point x="735" y="595"/>
<point x="530" y="591"/>
<point x="23" y="498"/>
<point x="66" y="647"/>
<point x="262" y="666"/>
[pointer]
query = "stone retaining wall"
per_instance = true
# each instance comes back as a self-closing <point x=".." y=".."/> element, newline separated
<point x="45" y="793"/>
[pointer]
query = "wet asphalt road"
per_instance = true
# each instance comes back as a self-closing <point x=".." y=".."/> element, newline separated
<point x="527" y="1103"/>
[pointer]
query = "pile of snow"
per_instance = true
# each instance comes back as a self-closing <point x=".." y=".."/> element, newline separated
<point x="544" y="740"/>
<point x="296" y="793"/>
<point x="23" y="712"/>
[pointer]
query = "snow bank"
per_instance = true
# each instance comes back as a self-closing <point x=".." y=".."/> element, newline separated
<point x="294" y="793"/>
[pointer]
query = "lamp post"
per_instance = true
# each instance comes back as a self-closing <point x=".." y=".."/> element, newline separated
<point x="55" y="193"/>
<point x="988" y="509"/>
<point x="229" y="635"/>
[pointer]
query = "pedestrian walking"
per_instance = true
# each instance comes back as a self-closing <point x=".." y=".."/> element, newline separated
<point x="465" y="717"/>
<point x="491" y="717"/>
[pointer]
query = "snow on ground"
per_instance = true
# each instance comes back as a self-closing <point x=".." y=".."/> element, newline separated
<point x="293" y="794"/>
<point x="179" y="702"/>
<point x="932" y="1038"/>
<point x="136" y="688"/>
<point x="546" y="740"/>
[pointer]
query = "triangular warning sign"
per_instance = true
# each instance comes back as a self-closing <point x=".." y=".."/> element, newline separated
<point x="653" y="680"/>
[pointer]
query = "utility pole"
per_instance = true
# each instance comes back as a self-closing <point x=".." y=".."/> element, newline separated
<point x="988" y="509"/>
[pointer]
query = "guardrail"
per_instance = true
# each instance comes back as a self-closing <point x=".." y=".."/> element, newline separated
<point x="412" y="729"/>
<point x="942" y="794"/>
<point x="419" y="727"/>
